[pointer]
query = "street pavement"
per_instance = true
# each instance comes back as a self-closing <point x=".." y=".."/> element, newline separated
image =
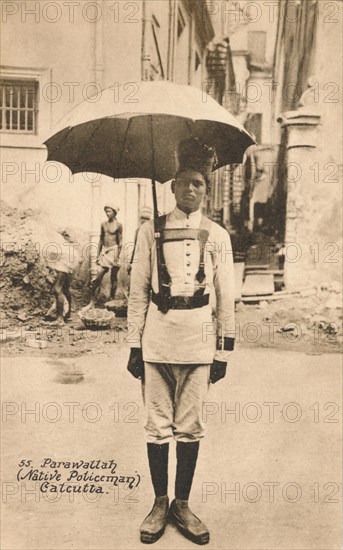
<point x="269" y="469"/>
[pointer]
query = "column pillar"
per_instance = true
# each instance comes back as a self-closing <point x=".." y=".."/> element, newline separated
<point x="301" y="128"/>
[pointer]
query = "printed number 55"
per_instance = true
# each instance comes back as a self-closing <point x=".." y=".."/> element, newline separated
<point x="24" y="463"/>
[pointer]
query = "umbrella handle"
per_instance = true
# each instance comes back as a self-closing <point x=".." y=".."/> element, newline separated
<point x="158" y="235"/>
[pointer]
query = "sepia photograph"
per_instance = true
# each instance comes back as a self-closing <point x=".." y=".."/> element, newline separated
<point x="171" y="274"/>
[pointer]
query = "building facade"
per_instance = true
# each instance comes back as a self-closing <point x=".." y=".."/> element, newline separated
<point x="68" y="52"/>
<point x="284" y="82"/>
<point x="306" y="196"/>
<point x="258" y="59"/>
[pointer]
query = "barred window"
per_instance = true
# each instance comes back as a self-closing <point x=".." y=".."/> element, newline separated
<point x="19" y="106"/>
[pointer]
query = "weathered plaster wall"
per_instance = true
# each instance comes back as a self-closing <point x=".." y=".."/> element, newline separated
<point x="314" y="202"/>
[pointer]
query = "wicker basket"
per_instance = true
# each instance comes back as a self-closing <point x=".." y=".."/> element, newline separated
<point x="96" y="319"/>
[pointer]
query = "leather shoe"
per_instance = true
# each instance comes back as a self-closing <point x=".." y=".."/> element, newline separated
<point x="154" y="524"/>
<point x="187" y="523"/>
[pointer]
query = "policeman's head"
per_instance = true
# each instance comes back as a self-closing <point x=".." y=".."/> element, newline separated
<point x="196" y="161"/>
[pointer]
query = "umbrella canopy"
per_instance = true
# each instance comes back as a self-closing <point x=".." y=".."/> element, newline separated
<point x="134" y="134"/>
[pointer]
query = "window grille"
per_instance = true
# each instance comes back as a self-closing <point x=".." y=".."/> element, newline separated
<point x="19" y="106"/>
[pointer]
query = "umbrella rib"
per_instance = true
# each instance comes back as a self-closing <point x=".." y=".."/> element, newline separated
<point x="189" y="126"/>
<point x="62" y="137"/>
<point x="87" y="142"/>
<point x="124" y="142"/>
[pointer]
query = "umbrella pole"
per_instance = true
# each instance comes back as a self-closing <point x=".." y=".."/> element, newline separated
<point x="156" y="224"/>
<point x="153" y="181"/>
<point x="157" y="237"/>
<point x="154" y="198"/>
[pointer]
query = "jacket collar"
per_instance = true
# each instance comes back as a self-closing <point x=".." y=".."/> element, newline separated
<point x="180" y="215"/>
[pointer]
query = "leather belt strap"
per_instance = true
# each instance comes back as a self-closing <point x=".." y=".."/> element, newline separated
<point x="183" y="302"/>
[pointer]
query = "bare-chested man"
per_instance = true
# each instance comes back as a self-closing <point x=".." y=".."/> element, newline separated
<point x="110" y="245"/>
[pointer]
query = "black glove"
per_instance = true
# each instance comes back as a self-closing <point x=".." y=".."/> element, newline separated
<point x="136" y="364"/>
<point x="218" y="371"/>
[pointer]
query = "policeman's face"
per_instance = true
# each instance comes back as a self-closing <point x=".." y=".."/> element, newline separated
<point x="189" y="188"/>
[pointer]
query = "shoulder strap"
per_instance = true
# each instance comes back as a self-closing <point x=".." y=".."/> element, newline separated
<point x="160" y="225"/>
<point x="203" y="234"/>
<point x="163" y="275"/>
<point x="161" y="222"/>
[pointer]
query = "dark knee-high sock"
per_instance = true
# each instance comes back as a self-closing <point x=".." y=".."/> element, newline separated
<point x="186" y="454"/>
<point x="158" y="463"/>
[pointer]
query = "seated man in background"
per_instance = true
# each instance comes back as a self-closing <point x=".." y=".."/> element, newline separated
<point x="62" y="265"/>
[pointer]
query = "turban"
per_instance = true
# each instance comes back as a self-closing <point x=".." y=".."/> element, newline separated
<point x="192" y="154"/>
<point x="112" y="207"/>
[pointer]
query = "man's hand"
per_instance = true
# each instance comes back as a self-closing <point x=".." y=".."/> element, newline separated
<point x="136" y="364"/>
<point x="218" y="371"/>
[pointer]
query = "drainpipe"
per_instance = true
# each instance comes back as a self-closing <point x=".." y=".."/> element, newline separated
<point x="174" y="37"/>
<point x="190" y="47"/>
<point x="99" y="47"/>
<point x="145" y="57"/>
<point x="170" y="40"/>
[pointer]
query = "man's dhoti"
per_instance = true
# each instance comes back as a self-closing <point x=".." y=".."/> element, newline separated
<point x="109" y="257"/>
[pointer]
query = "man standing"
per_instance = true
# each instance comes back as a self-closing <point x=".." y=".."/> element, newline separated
<point x="109" y="249"/>
<point x="61" y="267"/>
<point x="144" y="216"/>
<point x="175" y="347"/>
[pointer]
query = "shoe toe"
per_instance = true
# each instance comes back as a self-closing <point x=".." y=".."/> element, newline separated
<point x="194" y="530"/>
<point x="153" y="526"/>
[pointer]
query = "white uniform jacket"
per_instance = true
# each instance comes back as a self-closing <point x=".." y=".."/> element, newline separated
<point x="182" y="336"/>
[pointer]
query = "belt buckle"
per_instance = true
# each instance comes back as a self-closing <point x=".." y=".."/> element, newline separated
<point x="181" y="302"/>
